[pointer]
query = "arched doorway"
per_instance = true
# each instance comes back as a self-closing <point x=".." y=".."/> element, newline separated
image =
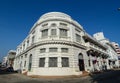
<point x="30" y="63"/>
<point x="81" y="62"/>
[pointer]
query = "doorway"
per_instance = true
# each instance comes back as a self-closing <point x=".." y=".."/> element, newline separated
<point x="81" y="62"/>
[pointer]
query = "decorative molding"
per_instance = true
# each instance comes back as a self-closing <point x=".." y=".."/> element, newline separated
<point x="53" y="42"/>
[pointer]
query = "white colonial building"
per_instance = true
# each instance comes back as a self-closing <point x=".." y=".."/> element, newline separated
<point x="97" y="54"/>
<point x="117" y="48"/>
<point x="10" y="57"/>
<point x="113" y="56"/>
<point x="57" y="46"/>
<point x="4" y="62"/>
<point x="8" y="61"/>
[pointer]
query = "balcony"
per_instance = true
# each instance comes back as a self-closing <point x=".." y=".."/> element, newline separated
<point x="95" y="48"/>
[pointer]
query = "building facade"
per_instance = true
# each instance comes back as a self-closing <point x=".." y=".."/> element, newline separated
<point x="97" y="54"/>
<point x="8" y="61"/>
<point x="113" y="55"/>
<point x="117" y="48"/>
<point x="4" y="61"/>
<point x="56" y="46"/>
<point x="11" y="56"/>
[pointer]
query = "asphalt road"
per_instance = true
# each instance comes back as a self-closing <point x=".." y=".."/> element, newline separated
<point x="112" y="76"/>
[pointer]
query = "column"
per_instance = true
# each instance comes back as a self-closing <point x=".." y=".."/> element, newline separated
<point x="59" y="62"/>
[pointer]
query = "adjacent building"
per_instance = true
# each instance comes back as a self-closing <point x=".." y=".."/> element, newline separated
<point x="4" y="62"/>
<point x="117" y="48"/>
<point x="11" y="56"/>
<point x="113" y="54"/>
<point x="97" y="54"/>
<point x="8" y="61"/>
<point x="57" y="45"/>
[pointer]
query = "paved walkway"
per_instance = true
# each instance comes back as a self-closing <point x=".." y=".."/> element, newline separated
<point x="112" y="76"/>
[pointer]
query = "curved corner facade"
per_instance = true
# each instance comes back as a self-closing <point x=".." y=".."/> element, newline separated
<point x="55" y="46"/>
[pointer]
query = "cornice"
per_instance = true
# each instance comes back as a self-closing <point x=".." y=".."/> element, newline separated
<point x="70" y="21"/>
<point x="69" y="43"/>
<point x="91" y="39"/>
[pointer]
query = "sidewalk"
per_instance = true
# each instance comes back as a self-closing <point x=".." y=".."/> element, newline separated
<point x="59" y="77"/>
<point x="85" y="74"/>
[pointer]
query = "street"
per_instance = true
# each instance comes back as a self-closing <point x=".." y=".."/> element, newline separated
<point x="112" y="76"/>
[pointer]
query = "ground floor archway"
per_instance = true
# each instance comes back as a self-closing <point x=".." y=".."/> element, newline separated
<point x="81" y="62"/>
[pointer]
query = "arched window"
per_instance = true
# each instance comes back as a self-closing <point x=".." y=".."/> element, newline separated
<point x="80" y="56"/>
<point x="81" y="62"/>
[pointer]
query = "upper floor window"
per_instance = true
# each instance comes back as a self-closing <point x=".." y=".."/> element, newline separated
<point x="63" y="33"/>
<point x="65" y="50"/>
<point x="53" y="25"/>
<point x="42" y="50"/>
<point x="53" y="49"/>
<point x="21" y="57"/>
<point x="27" y="43"/>
<point x="44" y="25"/>
<point x="25" y="64"/>
<point x="63" y="24"/>
<point x="78" y="38"/>
<point x="77" y="30"/>
<point x="91" y="44"/>
<point x="23" y="46"/>
<point x="45" y="33"/>
<point x="18" y="50"/>
<point x="25" y="55"/>
<point x="33" y="39"/>
<point x="53" y="32"/>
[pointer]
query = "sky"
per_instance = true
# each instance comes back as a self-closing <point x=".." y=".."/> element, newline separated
<point x="18" y="16"/>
